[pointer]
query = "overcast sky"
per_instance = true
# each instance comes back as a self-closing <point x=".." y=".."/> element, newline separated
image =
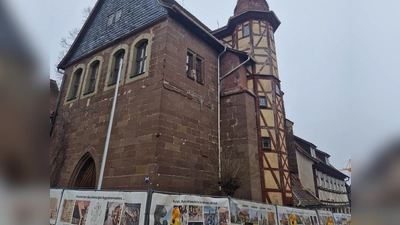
<point x="338" y="62"/>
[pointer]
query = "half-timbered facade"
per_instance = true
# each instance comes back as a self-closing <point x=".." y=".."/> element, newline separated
<point x="251" y="30"/>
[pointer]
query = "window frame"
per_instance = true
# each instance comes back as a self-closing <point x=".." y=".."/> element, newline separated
<point x="110" y="19"/>
<point x="263" y="139"/>
<point x="90" y="80"/>
<point x="142" y="61"/>
<point x="278" y="90"/>
<point x="120" y="54"/>
<point x="75" y="85"/>
<point x="118" y="15"/>
<point x="112" y="63"/>
<point x="244" y="34"/>
<point x="313" y="153"/>
<point x="131" y="75"/>
<point x="265" y="100"/>
<point x="194" y="67"/>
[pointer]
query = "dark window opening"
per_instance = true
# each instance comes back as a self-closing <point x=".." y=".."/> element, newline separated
<point x="194" y="67"/>
<point x="189" y="65"/>
<point x="266" y="144"/>
<point x="114" y="73"/>
<point x="94" y="69"/>
<point x="141" y="58"/>
<point x="75" y="84"/>
<point x="199" y="71"/>
<point x="263" y="102"/>
<point x="277" y="90"/>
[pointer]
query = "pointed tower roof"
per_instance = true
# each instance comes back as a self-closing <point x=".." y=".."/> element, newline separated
<point x="249" y="5"/>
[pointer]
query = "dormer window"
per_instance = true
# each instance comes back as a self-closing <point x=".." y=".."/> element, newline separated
<point x="327" y="161"/>
<point x="118" y="15"/>
<point x="110" y="19"/>
<point x="313" y="154"/>
<point x="115" y="17"/>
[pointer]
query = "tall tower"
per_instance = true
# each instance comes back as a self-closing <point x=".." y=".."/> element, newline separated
<point x="251" y="30"/>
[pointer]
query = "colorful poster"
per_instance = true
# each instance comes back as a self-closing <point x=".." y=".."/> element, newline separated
<point x="296" y="216"/>
<point x="342" y="219"/>
<point x="102" y="208"/>
<point x="250" y="213"/>
<point x="325" y="217"/>
<point x="188" y="210"/>
<point x="55" y="199"/>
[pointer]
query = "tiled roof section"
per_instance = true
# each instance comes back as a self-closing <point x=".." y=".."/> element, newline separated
<point x="249" y="5"/>
<point x="96" y="33"/>
<point x="302" y="197"/>
<point x="53" y="95"/>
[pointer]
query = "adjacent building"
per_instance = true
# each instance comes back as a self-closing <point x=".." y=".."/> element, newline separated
<point x="316" y="177"/>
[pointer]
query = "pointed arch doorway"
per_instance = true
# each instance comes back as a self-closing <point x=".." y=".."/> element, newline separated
<point x="84" y="175"/>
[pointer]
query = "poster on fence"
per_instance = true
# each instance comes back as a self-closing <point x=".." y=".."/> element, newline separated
<point x="188" y="210"/>
<point x="251" y="213"/>
<point x="102" y="208"/>
<point x="295" y="216"/>
<point x="325" y="217"/>
<point x="55" y="198"/>
<point x="342" y="219"/>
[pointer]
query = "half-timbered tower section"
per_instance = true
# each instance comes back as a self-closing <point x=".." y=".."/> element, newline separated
<point x="256" y="93"/>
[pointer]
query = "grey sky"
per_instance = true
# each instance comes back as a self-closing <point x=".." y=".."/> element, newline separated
<point x="336" y="62"/>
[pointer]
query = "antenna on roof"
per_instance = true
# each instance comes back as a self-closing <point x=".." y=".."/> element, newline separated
<point x="217" y="23"/>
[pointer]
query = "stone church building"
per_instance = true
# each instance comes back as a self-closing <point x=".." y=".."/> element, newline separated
<point x="178" y="80"/>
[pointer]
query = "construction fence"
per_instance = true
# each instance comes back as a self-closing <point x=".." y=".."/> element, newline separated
<point x="76" y="207"/>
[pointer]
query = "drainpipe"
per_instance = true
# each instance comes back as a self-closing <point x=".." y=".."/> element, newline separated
<point x="248" y="59"/>
<point x="110" y="122"/>
<point x="298" y="199"/>
<point x="219" y="117"/>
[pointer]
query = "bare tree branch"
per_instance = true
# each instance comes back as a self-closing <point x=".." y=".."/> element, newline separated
<point x="235" y="170"/>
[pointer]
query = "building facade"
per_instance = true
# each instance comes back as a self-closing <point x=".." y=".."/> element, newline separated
<point x="185" y="93"/>
<point x="317" y="177"/>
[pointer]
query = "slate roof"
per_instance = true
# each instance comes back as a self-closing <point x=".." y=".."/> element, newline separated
<point x="302" y="197"/>
<point x="96" y="33"/>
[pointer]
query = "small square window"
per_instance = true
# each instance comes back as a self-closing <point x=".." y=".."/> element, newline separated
<point x="266" y="143"/>
<point x="263" y="101"/>
<point x="246" y="30"/>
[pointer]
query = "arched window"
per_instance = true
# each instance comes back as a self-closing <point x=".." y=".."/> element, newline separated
<point x="141" y="58"/>
<point x="92" y="76"/>
<point x="115" y="67"/>
<point x="84" y="176"/>
<point x="75" y="83"/>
